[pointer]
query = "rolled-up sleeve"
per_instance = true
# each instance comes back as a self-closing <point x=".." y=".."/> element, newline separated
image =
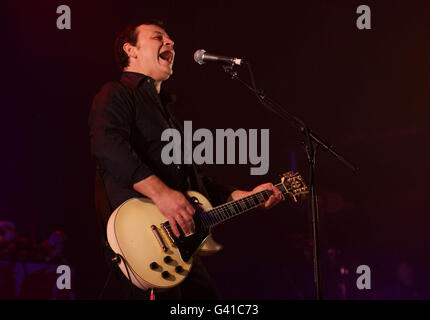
<point x="110" y="120"/>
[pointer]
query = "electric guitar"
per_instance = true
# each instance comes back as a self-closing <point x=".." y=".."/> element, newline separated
<point x="148" y="252"/>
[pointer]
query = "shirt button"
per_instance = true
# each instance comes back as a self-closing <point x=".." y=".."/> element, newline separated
<point x="178" y="167"/>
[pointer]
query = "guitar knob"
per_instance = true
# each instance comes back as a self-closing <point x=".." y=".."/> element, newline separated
<point x="165" y="274"/>
<point x="168" y="259"/>
<point x="179" y="269"/>
<point x="153" y="265"/>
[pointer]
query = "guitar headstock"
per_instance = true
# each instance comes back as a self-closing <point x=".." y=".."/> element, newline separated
<point x="294" y="185"/>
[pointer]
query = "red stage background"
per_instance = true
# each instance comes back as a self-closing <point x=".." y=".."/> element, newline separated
<point x="366" y="91"/>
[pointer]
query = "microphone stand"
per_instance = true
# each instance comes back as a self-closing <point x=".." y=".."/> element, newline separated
<point x="312" y="142"/>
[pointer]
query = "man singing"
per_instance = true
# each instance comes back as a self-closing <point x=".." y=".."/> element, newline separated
<point x="126" y="121"/>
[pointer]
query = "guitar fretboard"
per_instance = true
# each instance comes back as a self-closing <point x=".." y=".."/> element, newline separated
<point x="233" y="208"/>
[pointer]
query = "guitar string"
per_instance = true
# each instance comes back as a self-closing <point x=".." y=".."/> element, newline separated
<point x="235" y="207"/>
<point x="230" y="209"/>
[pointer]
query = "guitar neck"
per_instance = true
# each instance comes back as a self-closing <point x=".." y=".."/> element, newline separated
<point x="233" y="208"/>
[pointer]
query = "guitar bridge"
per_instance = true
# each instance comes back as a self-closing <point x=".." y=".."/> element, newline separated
<point x="166" y="228"/>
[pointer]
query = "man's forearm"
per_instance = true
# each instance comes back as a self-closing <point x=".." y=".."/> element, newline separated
<point x="274" y="198"/>
<point x="152" y="187"/>
<point x="237" y="194"/>
<point x="171" y="203"/>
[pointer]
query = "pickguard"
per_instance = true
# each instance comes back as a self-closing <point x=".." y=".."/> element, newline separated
<point x="188" y="245"/>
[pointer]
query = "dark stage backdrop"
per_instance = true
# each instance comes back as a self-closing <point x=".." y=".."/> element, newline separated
<point x="365" y="91"/>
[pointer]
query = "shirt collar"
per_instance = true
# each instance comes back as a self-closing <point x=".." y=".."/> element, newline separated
<point x="135" y="79"/>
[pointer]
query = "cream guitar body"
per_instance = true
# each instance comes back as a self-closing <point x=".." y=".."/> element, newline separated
<point x="131" y="234"/>
<point x="151" y="256"/>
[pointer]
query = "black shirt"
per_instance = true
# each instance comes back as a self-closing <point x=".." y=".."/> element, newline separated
<point x="126" y="121"/>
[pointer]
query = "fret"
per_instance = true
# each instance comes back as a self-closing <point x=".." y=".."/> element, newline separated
<point x="227" y="209"/>
<point x="218" y="215"/>
<point x="238" y="206"/>
<point x="255" y="199"/>
<point x="230" y="211"/>
<point x="251" y="201"/>
<point x="215" y="217"/>
<point x="242" y="204"/>
<point x="248" y="202"/>
<point x="224" y="214"/>
<point x="233" y="208"/>
<point x="260" y="197"/>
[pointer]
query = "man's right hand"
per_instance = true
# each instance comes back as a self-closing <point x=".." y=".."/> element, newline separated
<point x="171" y="203"/>
<point x="177" y="209"/>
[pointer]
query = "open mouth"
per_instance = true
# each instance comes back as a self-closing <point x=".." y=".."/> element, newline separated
<point x="167" y="56"/>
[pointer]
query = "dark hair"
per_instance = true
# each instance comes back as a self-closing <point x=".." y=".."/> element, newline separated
<point x="129" y="34"/>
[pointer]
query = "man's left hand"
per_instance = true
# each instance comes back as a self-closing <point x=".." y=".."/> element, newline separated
<point x="274" y="199"/>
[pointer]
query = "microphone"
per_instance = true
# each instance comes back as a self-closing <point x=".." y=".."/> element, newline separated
<point x="201" y="57"/>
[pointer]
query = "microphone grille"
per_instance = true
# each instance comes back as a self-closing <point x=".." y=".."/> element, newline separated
<point x="198" y="56"/>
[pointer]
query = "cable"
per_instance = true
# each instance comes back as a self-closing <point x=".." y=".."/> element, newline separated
<point x="115" y="261"/>
<point x="127" y="266"/>
<point x="105" y="285"/>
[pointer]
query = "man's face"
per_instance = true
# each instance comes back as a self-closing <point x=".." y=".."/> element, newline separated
<point x="154" y="51"/>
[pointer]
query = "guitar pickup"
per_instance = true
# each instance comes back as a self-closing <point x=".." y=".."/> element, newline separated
<point x="158" y="237"/>
<point x="166" y="227"/>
